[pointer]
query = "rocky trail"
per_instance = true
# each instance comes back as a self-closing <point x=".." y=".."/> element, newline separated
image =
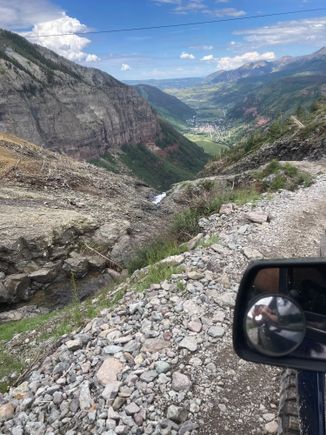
<point x="161" y="361"/>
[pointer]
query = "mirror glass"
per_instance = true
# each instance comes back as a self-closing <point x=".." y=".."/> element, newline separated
<point x="305" y="286"/>
<point x="275" y="325"/>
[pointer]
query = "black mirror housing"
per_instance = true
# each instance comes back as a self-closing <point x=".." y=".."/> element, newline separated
<point x="298" y="283"/>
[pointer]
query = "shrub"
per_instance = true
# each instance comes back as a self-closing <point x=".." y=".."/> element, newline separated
<point x="185" y="224"/>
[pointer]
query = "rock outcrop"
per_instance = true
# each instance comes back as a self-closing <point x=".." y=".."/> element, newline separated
<point x="51" y="101"/>
<point x="61" y="220"/>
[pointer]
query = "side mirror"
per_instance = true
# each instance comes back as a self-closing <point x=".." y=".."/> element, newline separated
<point x="280" y="314"/>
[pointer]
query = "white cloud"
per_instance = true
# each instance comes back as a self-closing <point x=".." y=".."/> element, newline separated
<point x="287" y="32"/>
<point x="202" y="47"/>
<point x="125" y="67"/>
<point x="167" y="2"/>
<point x="207" y="47"/>
<point x="68" y="44"/>
<point x="208" y="58"/>
<point x="92" y="58"/>
<point x="226" y="12"/>
<point x="228" y="63"/>
<point x="190" y="6"/>
<point x="19" y="15"/>
<point x="185" y="55"/>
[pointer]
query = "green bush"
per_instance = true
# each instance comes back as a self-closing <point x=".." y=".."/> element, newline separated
<point x="185" y="224"/>
<point x="287" y="176"/>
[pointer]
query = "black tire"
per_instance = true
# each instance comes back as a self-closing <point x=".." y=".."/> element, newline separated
<point x="323" y="246"/>
<point x="288" y="413"/>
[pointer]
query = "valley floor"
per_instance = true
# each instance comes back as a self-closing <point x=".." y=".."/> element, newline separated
<point x="161" y="362"/>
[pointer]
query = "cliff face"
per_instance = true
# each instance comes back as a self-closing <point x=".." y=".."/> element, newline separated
<point x="53" y="102"/>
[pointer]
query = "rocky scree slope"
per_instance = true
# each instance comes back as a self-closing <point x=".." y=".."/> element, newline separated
<point x="55" y="211"/>
<point x="83" y="112"/>
<point x="162" y="362"/>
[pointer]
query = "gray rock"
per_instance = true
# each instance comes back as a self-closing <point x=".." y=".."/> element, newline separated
<point x="257" y="217"/>
<point x="227" y="208"/>
<point x="216" y="331"/>
<point x="149" y="375"/>
<point x="109" y="233"/>
<point x="189" y="343"/>
<point x="191" y="308"/>
<point x="77" y="265"/>
<point x="57" y="397"/>
<point x="85" y="399"/>
<point x="162" y="366"/>
<point x="112" y="349"/>
<point x="45" y="275"/>
<point x="73" y="345"/>
<point x="154" y="345"/>
<point x="132" y="408"/>
<point x="195" y="325"/>
<point x="15" y="287"/>
<point x="177" y="414"/>
<point x="180" y="382"/>
<point x="187" y="428"/>
<point x="111" y="390"/>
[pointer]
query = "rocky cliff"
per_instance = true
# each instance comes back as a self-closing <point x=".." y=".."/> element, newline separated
<point x="60" y="218"/>
<point x="51" y="101"/>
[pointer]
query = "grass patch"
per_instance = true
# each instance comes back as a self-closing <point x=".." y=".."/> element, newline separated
<point x="8" y="365"/>
<point x="276" y="176"/>
<point x="107" y="162"/>
<point x="206" y="243"/>
<point x="48" y="328"/>
<point x="209" y="145"/>
<point x="9" y="329"/>
<point x="157" y="273"/>
<point x="185" y="224"/>
<point x="154" y="252"/>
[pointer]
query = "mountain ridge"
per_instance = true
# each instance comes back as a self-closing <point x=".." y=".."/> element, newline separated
<point x="82" y="112"/>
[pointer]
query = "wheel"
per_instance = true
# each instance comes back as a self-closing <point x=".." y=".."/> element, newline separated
<point x="288" y="416"/>
<point x="288" y="413"/>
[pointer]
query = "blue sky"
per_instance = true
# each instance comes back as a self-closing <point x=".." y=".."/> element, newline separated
<point x="166" y="53"/>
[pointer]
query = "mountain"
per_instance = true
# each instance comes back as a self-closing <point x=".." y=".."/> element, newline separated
<point x="168" y="106"/>
<point x="314" y="62"/>
<point x="254" y="69"/>
<point x="85" y="113"/>
<point x="257" y="93"/>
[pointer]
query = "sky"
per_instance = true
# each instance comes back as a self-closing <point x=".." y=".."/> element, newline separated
<point x="191" y="51"/>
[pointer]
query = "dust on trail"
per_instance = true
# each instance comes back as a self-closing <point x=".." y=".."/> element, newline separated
<point x="249" y="395"/>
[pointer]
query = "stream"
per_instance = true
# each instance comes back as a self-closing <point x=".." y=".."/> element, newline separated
<point x="158" y="198"/>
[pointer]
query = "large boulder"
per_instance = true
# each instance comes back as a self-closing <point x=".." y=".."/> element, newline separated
<point x="109" y="233"/>
<point x="14" y="288"/>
